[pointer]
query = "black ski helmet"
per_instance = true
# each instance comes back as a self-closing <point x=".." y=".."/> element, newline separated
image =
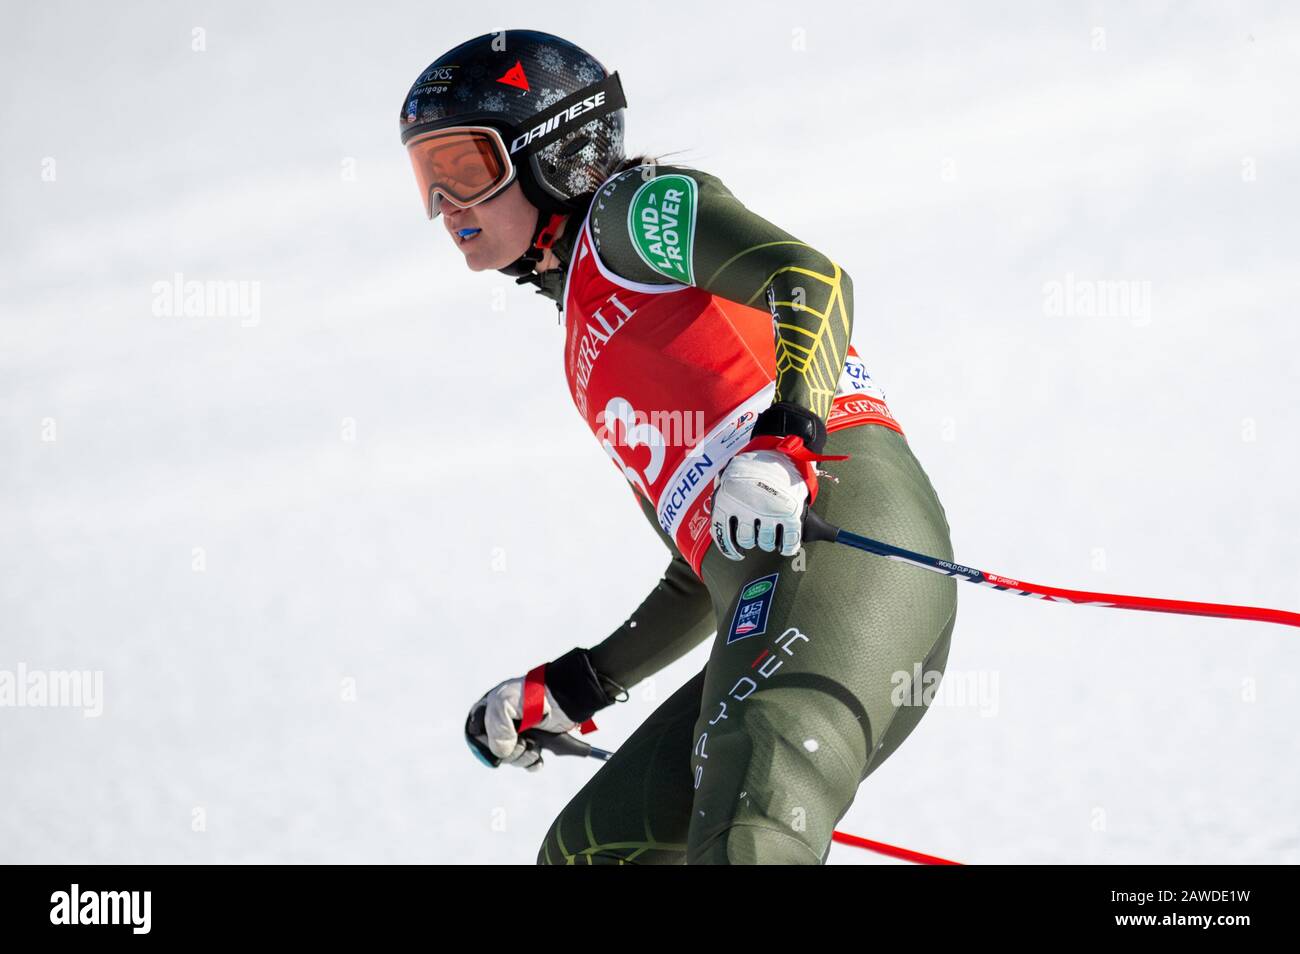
<point x="526" y="85"/>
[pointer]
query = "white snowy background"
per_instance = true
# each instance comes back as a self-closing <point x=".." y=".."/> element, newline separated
<point x="956" y="160"/>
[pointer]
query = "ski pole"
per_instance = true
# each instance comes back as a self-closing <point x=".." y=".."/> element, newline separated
<point x="559" y="743"/>
<point x="565" y="744"/>
<point x="815" y="528"/>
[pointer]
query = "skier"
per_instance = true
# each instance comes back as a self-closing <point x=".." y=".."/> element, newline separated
<point x="708" y="351"/>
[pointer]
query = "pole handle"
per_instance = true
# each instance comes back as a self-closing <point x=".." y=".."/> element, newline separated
<point x="815" y="528"/>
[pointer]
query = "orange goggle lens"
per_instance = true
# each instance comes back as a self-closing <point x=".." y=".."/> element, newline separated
<point x="466" y="165"/>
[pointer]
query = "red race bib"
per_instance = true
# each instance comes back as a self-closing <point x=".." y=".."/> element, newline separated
<point x="670" y="380"/>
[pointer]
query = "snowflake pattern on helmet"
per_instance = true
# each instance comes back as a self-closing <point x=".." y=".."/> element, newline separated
<point x="551" y="154"/>
<point x="551" y="60"/>
<point x="493" y="102"/>
<point x="580" y="180"/>
<point x="613" y="146"/>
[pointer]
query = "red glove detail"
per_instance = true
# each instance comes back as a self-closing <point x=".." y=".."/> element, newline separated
<point x="535" y="698"/>
<point x="792" y="446"/>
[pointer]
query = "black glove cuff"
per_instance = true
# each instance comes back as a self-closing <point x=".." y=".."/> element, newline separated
<point x="783" y="418"/>
<point x="577" y="687"/>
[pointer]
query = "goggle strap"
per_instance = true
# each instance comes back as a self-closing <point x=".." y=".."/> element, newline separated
<point x="550" y="232"/>
<point x="611" y="86"/>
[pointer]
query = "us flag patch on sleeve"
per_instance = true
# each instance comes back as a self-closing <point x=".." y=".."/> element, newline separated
<point x="750" y="618"/>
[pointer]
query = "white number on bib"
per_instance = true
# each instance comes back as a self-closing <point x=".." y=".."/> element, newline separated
<point x="636" y="434"/>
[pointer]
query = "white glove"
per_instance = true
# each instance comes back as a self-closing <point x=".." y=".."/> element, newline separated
<point x="764" y="491"/>
<point x="504" y="707"/>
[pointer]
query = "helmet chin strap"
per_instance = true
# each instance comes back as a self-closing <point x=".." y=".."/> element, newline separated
<point x="544" y="235"/>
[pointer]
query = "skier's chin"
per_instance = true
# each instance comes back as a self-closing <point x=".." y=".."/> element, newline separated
<point x="477" y="261"/>
<point x="483" y="259"/>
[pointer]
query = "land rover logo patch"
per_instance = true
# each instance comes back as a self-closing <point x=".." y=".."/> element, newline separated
<point x="661" y="221"/>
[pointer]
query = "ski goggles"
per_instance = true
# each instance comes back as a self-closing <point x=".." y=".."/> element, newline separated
<point x="464" y="164"/>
